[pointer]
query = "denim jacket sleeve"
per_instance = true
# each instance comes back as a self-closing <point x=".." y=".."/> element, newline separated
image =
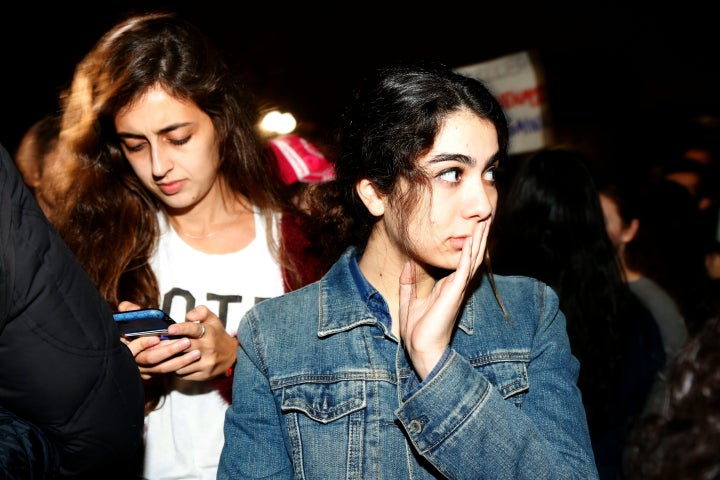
<point x="459" y="422"/>
<point x="254" y="446"/>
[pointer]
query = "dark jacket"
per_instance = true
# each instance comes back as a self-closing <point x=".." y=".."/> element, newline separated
<point x="64" y="373"/>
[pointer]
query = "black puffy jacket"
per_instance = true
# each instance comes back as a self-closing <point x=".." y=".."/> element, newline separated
<point x="64" y="373"/>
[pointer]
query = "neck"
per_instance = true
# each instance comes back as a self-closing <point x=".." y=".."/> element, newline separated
<point x="209" y="232"/>
<point x="632" y="275"/>
<point x="381" y="264"/>
<point x="206" y="221"/>
<point x="629" y="274"/>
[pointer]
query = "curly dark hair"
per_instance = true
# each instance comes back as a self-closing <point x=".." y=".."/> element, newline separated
<point x="394" y="119"/>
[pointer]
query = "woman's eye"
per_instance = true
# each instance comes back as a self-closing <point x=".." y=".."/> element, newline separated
<point x="490" y="174"/>
<point x="134" y="148"/>
<point x="181" y="141"/>
<point x="452" y="175"/>
<point x="493" y="174"/>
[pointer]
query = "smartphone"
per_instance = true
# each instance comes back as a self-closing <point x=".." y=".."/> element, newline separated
<point x="144" y="322"/>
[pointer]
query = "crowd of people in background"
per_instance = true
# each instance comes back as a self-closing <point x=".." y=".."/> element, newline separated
<point x="154" y="174"/>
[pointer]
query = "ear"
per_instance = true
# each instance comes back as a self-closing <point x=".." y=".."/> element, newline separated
<point x="32" y="177"/>
<point x="630" y="231"/>
<point x="704" y="203"/>
<point x="374" y="201"/>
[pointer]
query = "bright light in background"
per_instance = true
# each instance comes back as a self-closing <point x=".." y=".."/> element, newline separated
<point x="276" y="122"/>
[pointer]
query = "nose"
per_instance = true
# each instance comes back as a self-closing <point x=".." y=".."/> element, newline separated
<point x="160" y="162"/>
<point x="480" y="202"/>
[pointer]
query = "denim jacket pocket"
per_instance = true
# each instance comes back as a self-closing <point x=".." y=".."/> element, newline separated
<point x="326" y="424"/>
<point x="325" y="402"/>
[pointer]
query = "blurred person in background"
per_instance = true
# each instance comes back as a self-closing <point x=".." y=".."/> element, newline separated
<point x="71" y="397"/>
<point x="694" y="163"/>
<point x="620" y="210"/>
<point x="550" y="226"/>
<point x="38" y="148"/>
<point x="620" y="205"/>
<point x="680" y="440"/>
<point x="670" y="249"/>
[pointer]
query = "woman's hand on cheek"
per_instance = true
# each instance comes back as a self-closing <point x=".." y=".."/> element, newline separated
<point x="427" y="324"/>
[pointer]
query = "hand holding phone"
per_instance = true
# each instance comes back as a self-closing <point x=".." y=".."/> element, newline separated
<point x="143" y="322"/>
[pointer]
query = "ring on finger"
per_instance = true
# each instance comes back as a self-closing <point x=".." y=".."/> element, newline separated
<point x="202" y="331"/>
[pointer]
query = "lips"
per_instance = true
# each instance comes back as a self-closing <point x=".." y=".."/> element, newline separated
<point x="171" y="188"/>
<point x="457" y="242"/>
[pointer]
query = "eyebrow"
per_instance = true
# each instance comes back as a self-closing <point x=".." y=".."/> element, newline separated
<point x="464" y="159"/>
<point x="451" y="157"/>
<point x="162" y="131"/>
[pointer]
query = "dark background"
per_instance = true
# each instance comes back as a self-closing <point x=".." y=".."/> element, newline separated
<point x="624" y="83"/>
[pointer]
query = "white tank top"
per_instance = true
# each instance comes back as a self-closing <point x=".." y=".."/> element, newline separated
<point x="184" y="437"/>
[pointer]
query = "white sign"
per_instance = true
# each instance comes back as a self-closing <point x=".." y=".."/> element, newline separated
<point x="517" y="84"/>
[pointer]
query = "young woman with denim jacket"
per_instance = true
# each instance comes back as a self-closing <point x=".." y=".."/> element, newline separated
<point x="402" y="362"/>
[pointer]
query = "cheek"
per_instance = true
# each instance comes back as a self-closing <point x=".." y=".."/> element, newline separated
<point x="143" y="171"/>
<point x="141" y="168"/>
<point x="492" y="196"/>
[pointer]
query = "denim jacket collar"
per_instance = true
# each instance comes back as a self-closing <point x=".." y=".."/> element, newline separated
<point x="355" y="311"/>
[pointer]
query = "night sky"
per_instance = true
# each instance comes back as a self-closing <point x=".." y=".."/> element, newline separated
<point x="620" y="81"/>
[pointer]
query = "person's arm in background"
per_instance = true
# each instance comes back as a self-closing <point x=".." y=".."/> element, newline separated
<point x="64" y="368"/>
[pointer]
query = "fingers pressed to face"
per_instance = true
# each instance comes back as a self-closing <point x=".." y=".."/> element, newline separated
<point x="473" y="250"/>
<point x="480" y="237"/>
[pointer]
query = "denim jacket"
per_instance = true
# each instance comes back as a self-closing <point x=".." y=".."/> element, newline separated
<point x="319" y="391"/>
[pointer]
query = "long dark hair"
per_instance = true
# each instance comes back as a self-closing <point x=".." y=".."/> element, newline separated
<point x="108" y="218"/>
<point x="550" y="226"/>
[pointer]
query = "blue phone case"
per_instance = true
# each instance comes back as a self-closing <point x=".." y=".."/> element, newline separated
<point x="138" y="323"/>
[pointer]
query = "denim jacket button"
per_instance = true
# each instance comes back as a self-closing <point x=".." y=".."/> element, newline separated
<point x="416" y="426"/>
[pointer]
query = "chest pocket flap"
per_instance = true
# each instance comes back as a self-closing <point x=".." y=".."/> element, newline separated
<point x="325" y="402"/>
<point x="508" y="375"/>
